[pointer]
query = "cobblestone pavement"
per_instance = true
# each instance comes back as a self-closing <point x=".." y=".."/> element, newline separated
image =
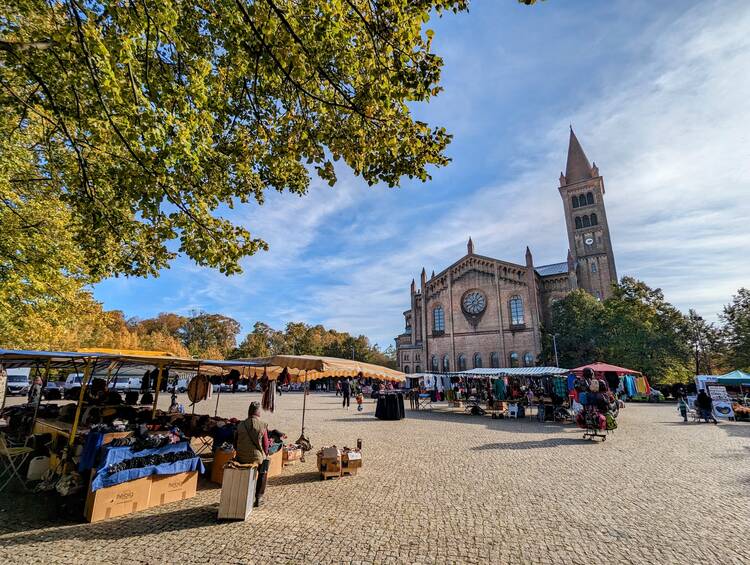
<point x="439" y="488"/>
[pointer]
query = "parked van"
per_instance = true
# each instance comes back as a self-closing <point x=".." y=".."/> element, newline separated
<point x="125" y="384"/>
<point x="73" y="381"/>
<point x="18" y="381"/>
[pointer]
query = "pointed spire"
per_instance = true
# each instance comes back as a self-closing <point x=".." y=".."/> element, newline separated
<point x="578" y="167"/>
<point x="470" y="246"/>
<point x="529" y="258"/>
<point x="571" y="261"/>
<point x="413" y="286"/>
<point x="423" y="276"/>
<point x="433" y="274"/>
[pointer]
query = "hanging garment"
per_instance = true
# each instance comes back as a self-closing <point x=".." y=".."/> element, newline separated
<point x="560" y="387"/>
<point x="571" y="381"/>
<point x="499" y="389"/>
<point x="640" y="385"/>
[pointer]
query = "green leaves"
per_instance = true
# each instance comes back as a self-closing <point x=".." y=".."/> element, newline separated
<point x="635" y="328"/>
<point x="152" y="117"/>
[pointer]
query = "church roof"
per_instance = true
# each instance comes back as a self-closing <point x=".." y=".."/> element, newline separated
<point x="553" y="269"/>
<point x="578" y="167"/>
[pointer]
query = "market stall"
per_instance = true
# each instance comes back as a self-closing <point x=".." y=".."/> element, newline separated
<point x="104" y="446"/>
<point x="306" y="368"/>
<point x="630" y="382"/>
<point x="512" y="391"/>
<point x="728" y="393"/>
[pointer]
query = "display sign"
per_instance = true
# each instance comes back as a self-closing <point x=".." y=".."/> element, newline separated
<point x="723" y="409"/>
<point x="718" y="392"/>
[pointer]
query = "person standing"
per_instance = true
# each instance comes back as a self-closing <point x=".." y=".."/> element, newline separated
<point x="705" y="406"/>
<point x="683" y="408"/>
<point x="346" y="391"/>
<point x="338" y="388"/>
<point x="252" y="447"/>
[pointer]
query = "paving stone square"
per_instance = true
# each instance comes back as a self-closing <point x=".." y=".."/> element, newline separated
<point x="439" y="487"/>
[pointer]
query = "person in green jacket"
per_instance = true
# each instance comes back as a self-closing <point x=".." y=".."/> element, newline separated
<point x="252" y="447"/>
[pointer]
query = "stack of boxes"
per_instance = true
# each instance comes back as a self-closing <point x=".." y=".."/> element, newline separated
<point x="335" y="462"/>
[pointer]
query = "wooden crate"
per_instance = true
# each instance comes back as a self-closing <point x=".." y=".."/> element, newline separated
<point x="237" y="493"/>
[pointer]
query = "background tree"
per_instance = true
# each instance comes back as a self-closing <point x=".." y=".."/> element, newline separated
<point x="302" y="339"/>
<point x="705" y="343"/>
<point x="635" y="328"/>
<point x="144" y="118"/>
<point x="736" y="318"/>
<point x="212" y="336"/>
<point x="577" y="323"/>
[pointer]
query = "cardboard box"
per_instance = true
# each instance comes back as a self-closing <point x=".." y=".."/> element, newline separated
<point x="351" y="460"/>
<point x="275" y="464"/>
<point x="171" y="488"/>
<point x="290" y="456"/>
<point x="237" y="493"/>
<point x="118" y="500"/>
<point x="221" y="458"/>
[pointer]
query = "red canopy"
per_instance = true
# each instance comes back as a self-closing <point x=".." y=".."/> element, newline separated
<point x="599" y="367"/>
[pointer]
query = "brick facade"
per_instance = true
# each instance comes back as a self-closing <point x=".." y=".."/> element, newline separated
<point x="486" y="312"/>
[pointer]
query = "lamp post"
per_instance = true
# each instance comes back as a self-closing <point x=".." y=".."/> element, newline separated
<point x="554" y="345"/>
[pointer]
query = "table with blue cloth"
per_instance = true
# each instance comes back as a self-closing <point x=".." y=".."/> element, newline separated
<point x="113" y="455"/>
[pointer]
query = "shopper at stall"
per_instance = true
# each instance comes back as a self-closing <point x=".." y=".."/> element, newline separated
<point x="705" y="406"/>
<point x="338" y="388"/>
<point x="252" y="447"/>
<point x="346" y="392"/>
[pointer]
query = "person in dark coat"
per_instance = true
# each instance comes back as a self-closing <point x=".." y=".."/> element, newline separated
<point x="346" y="392"/>
<point x="705" y="406"/>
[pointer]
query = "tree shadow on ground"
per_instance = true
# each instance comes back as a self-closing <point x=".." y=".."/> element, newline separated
<point x="534" y="444"/>
<point x="135" y="525"/>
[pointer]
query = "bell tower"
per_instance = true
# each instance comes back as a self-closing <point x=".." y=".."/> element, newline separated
<point x="582" y="191"/>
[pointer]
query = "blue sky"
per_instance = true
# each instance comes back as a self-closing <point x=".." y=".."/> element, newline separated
<point x="659" y="96"/>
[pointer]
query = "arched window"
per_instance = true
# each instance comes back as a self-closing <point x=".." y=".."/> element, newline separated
<point x="438" y="319"/>
<point x="516" y="311"/>
<point x="418" y="369"/>
<point x="579" y="225"/>
<point x="528" y="359"/>
<point x="513" y="358"/>
<point x="434" y="364"/>
<point x="586" y="222"/>
<point x="406" y="369"/>
<point x="593" y="267"/>
<point x="446" y="364"/>
<point x="594" y="220"/>
<point x="477" y="361"/>
<point x="462" y="362"/>
<point x="494" y="360"/>
<point x="575" y="202"/>
<point x="589" y="198"/>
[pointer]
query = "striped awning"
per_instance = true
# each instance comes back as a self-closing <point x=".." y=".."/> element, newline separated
<point x="516" y="372"/>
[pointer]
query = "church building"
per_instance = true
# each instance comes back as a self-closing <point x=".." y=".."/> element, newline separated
<point x="485" y="312"/>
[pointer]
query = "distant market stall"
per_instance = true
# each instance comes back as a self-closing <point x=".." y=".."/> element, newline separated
<point x="633" y="383"/>
<point x="729" y="393"/>
<point x="306" y="368"/>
